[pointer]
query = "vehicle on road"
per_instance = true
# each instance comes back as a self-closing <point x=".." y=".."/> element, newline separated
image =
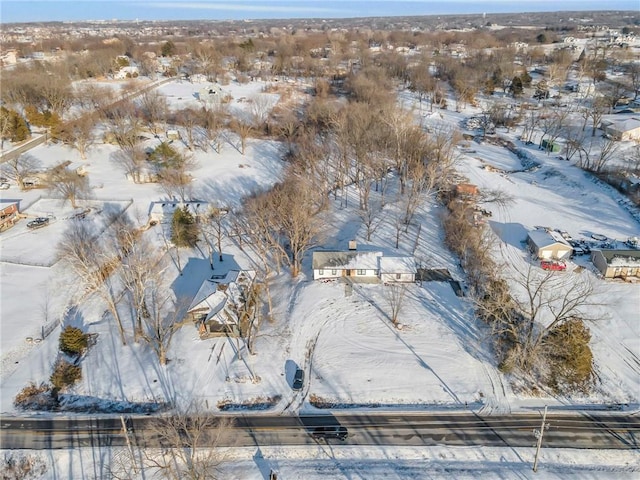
<point x="298" y="379"/>
<point x="333" y="431"/>
<point x="38" y="223"/>
<point x="553" y="265"/>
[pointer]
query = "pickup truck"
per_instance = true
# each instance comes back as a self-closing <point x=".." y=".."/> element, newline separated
<point x="551" y="265"/>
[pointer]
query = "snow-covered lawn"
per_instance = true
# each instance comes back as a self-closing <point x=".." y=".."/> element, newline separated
<point x="346" y="462"/>
<point x="341" y="336"/>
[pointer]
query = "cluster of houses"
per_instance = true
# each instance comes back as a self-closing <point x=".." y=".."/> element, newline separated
<point x="611" y="263"/>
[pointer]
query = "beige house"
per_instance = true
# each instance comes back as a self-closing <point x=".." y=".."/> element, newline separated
<point x="622" y="129"/>
<point x="548" y="245"/>
<point x="617" y="263"/>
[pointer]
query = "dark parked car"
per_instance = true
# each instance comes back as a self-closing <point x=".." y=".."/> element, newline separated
<point x="298" y="379"/>
<point x="38" y="223"/>
<point x="334" y="431"/>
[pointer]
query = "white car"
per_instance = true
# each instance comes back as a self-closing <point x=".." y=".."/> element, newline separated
<point x="4" y="186"/>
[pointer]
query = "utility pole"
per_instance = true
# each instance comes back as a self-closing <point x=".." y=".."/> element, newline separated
<point x="125" y="430"/>
<point x="538" y="434"/>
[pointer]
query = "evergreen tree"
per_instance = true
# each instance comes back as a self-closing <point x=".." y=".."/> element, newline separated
<point x="516" y="86"/>
<point x="168" y="49"/>
<point x="184" y="231"/>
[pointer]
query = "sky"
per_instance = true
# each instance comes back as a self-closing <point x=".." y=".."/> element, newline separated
<point x="73" y="10"/>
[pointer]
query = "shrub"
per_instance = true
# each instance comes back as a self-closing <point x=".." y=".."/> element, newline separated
<point x="20" y="466"/>
<point x="65" y="374"/>
<point x="35" y="397"/>
<point x="569" y="356"/>
<point x="73" y="341"/>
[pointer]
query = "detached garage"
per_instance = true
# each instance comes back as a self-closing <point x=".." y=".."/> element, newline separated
<point x="548" y="245"/>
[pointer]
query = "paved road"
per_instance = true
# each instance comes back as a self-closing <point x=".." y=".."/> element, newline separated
<point x="465" y="429"/>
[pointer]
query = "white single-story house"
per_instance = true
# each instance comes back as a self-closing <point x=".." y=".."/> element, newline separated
<point x="617" y="263"/>
<point x="162" y="211"/>
<point x="622" y="129"/>
<point x="548" y="245"/>
<point x="351" y="263"/>
<point x="363" y="265"/>
<point x="215" y="307"/>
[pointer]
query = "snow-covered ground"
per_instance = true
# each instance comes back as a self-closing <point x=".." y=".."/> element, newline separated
<point x="345" y="462"/>
<point x="341" y="337"/>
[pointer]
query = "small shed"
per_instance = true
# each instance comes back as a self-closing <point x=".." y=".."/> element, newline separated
<point x="466" y="190"/>
<point x="549" y="146"/>
<point x="398" y="269"/>
<point x="617" y="263"/>
<point x="548" y="245"/>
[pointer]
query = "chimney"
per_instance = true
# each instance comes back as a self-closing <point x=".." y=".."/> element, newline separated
<point x="353" y="245"/>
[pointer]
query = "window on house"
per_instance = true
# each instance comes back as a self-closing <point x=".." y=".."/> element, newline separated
<point x="362" y="272"/>
<point x="398" y="276"/>
<point x="334" y="272"/>
<point x="320" y="272"/>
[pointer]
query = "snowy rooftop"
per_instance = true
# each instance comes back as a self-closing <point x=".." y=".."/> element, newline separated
<point x="166" y="208"/>
<point x="621" y="257"/>
<point x="544" y="238"/>
<point x="346" y="259"/>
<point x="397" y="265"/>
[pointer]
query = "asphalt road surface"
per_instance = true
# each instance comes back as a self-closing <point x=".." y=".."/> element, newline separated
<point x="397" y="429"/>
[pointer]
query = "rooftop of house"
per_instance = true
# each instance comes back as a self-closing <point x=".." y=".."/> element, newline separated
<point x="346" y="259"/>
<point x="621" y="257"/>
<point x="398" y="265"/>
<point x="545" y="238"/>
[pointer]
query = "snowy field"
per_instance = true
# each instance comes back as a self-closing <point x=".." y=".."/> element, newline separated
<point x="343" y="338"/>
<point x="364" y="463"/>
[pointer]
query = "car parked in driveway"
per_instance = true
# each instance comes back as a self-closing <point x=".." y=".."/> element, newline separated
<point x="553" y="265"/>
<point x="38" y="223"/>
<point x="333" y="431"/>
<point x="298" y="379"/>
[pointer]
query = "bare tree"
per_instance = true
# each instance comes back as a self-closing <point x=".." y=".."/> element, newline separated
<point x="213" y="230"/>
<point x="77" y="133"/>
<point x="534" y="304"/>
<point x="133" y="160"/>
<point x="608" y="148"/>
<point x="191" y="439"/>
<point x="395" y="295"/>
<point x="93" y="263"/>
<point x="243" y="130"/>
<point x="175" y="182"/>
<point x="21" y="168"/>
<point x="155" y="109"/>
<point x="68" y="185"/>
<point x="163" y="319"/>
<point x="261" y="106"/>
